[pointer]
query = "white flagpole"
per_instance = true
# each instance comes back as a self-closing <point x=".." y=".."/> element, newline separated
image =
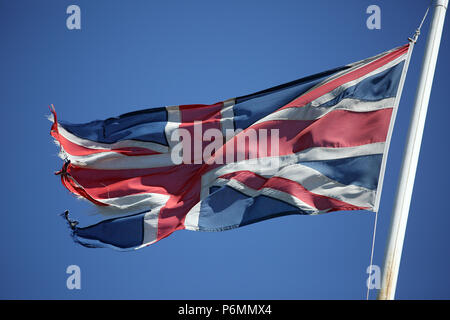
<point x="411" y="155"/>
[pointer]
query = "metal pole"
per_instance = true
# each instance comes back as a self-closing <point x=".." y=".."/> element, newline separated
<point x="411" y="155"/>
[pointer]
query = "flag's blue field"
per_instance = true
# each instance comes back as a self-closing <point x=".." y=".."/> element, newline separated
<point x="141" y="54"/>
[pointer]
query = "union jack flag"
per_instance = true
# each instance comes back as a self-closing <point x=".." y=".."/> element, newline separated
<point x="330" y="146"/>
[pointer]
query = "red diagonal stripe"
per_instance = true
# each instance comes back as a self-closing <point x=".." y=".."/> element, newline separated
<point x="320" y="202"/>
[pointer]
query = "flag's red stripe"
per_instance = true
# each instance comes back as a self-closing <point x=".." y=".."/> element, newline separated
<point x="172" y="215"/>
<point x="337" y="129"/>
<point x="257" y="182"/>
<point x="104" y="184"/>
<point x="200" y="112"/>
<point x="71" y="185"/>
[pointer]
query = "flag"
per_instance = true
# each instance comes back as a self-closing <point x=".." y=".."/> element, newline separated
<point x="314" y="145"/>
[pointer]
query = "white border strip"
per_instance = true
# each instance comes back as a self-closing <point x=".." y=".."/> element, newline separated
<point x="227" y="118"/>
<point x="391" y="127"/>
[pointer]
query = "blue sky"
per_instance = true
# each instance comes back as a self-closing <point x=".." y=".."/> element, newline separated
<point x="138" y="54"/>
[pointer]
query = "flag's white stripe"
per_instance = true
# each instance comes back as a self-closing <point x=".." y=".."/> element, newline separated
<point x="271" y="166"/>
<point x="173" y="123"/>
<point x="147" y="200"/>
<point x="315" y="182"/>
<point x="227" y="118"/>
<point x="314" y="113"/>
<point x="150" y="227"/>
<point x="281" y="114"/>
<point x="192" y="217"/>
<point x="111" y="161"/>
<point x="150" y="222"/>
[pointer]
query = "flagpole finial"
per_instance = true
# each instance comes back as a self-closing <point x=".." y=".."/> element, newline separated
<point x="416" y="35"/>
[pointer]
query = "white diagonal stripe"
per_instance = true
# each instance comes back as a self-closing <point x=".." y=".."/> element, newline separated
<point x="173" y="123"/>
<point x="117" y="145"/>
<point x="269" y="192"/>
<point x="227" y="118"/>
<point x="315" y="182"/>
<point x="112" y="161"/>
<point x="264" y="167"/>
<point x="147" y="200"/>
<point x="332" y="94"/>
<point x="313" y="113"/>
<point x="192" y="217"/>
